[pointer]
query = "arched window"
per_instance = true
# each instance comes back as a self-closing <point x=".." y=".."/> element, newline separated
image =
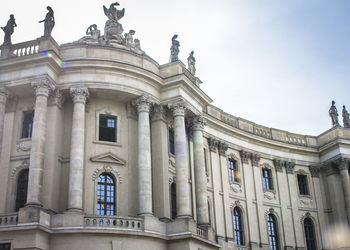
<point x="238" y="226"/>
<point x="106" y="195"/>
<point x="173" y="200"/>
<point x="273" y="232"/>
<point x="309" y="234"/>
<point x="22" y="187"/>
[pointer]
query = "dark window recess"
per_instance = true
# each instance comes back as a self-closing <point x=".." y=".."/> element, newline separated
<point x="27" y="126"/>
<point x="107" y="128"/>
<point x="22" y="188"/>
<point x="173" y="200"/>
<point x="171" y="141"/>
<point x="273" y="232"/>
<point x="205" y="162"/>
<point x="267" y="179"/>
<point x="233" y="170"/>
<point x="105" y="195"/>
<point x="5" y="246"/>
<point x="238" y="226"/>
<point x="209" y="213"/>
<point x="309" y="234"/>
<point x="302" y="183"/>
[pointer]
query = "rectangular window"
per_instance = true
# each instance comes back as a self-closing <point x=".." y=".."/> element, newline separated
<point x="233" y="171"/>
<point x="27" y="124"/>
<point x="302" y="183"/>
<point x="267" y="179"/>
<point x="171" y="141"/>
<point x="5" y="246"/>
<point x="108" y="128"/>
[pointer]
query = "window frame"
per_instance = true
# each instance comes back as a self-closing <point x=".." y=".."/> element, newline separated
<point x="238" y="219"/>
<point x="18" y="200"/>
<point x="272" y="223"/>
<point x="234" y="172"/>
<point x="114" y="129"/>
<point x="314" y="247"/>
<point x="267" y="179"/>
<point x="23" y="114"/>
<point x="106" y="184"/>
<point x="304" y="189"/>
<point x="108" y="112"/>
<point x="173" y="205"/>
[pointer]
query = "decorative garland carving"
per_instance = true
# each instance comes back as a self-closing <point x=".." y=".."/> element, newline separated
<point x="15" y="170"/>
<point x="107" y="169"/>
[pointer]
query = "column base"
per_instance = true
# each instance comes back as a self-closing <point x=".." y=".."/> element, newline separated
<point x="205" y="225"/>
<point x="74" y="210"/>
<point x="145" y="214"/>
<point x="183" y="216"/>
<point x="34" y="204"/>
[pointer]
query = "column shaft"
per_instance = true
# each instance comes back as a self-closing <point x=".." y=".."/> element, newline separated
<point x="183" y="191"/>
<point x="143" y="105"/>
<point x="200" y="176"/>
<point x="36" y="164"/>
<point x="344" y="173"/>
<point x="3" y="100"/>
<point x="76" y="170"/>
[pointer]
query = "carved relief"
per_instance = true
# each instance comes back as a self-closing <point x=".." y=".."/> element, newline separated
<point x="24" y="146"/>
<point x="236" y="187"/>
<point x="24" y="164"/>
<point x="269" y="194"/>
<point x="107" y="169"/>
<point x="305" y="200"/>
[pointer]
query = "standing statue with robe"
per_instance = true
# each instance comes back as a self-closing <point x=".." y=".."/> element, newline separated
<point x="8" y="29"/>
<point x="333" y="113"/>
<point x="174" y="50"/>
<point x="49" y="22"/>
<point x="191" y="61"/>
<point x="346" y="118"/>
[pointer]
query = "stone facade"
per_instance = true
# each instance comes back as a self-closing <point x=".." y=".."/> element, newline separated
<point x="222" y="165"/>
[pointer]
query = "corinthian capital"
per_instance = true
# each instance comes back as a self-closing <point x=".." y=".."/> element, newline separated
<point x="79" y="94"/>
<point x="198" y="123"/>
<point x="143" y="103"/>
<point x="342" y="163"/>
<point x="213" y="144"/>
<point x="43" y="86"/>
<point x="179" y="108"/>
<point x="4" y="95"/>
<point x="159" y="113"/>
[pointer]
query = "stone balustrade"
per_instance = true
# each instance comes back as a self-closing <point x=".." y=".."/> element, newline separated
<point x="8" y="219"/>
<point x="26" y="48"/>
<point x="203" y="233"/>
<point x="242" y="248"/>
<point x="119" y="222"/>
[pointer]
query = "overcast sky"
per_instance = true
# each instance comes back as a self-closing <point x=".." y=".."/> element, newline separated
<point x="276" y="63"/>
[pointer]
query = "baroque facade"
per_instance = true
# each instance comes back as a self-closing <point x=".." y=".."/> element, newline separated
<point x="103" y="148"/>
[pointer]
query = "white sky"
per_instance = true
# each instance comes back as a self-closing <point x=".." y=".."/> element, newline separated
<point x="276" y="63"/>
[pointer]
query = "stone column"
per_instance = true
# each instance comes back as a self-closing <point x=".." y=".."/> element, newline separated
<point x="4" y="94"/>
<point x="143" y="105"/>
<point x="42" y="89"/>
<point x="200" y="176"/>
<point x="183" y="191"/>
<point x="77" y="147"/>
<point x="343" y="166"/>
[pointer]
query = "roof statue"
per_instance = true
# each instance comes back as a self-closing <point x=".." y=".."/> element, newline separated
<point x="93" y="35"/>
<point x="49" y="22"/>
<point x="174" y="50"/>
<point x="191" y="61"/>
<point x="333" y="113"/>
<point x="113" y="29"/>
<point x="8" y="29"/>
<point x="346" y="118"/>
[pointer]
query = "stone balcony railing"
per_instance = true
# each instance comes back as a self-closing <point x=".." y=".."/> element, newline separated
<point x="9" y="219"/>
<point x="33" y="47"/>
<point x="203" y="233"/>
<point x="118" y="222"/>
<point x="242" y="248"/>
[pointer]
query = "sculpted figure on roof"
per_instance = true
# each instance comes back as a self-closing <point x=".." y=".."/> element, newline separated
<point x="8" y="29"/>
<point x="113" y="29"/>
<point x="346" y="118"/>
<point x="333" y="113"/>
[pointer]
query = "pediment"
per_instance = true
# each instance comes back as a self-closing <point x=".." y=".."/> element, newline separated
<point x="108" y="158"/>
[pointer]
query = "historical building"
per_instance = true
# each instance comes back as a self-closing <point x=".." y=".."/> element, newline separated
<point x="103" y="148"/>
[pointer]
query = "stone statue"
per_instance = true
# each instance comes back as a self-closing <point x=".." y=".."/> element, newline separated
<point x="49" y="22"/>
<point x="333" y="113"/>
<point x="129" y="40"/>
<point x="191" y="61"/>
<point x="94" y="32"/>
<point x="113" y="29"/>
<point x="346" y="118"/>
<point x="174" y="50"/>
<point x="138" y="47"/>
<point x="8" y="29"/>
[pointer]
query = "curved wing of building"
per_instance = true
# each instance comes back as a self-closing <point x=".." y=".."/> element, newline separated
<point x="103" y="148"/>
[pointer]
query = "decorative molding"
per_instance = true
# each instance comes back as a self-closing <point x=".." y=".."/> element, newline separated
<point x="255" y="159"/>
<point x="143" y="103"/>
<point x="107" y="169"/>
<point x="279" y="164"/>
<point x="178" y="107"/>
<point x="159" y="112"/>
<point x="213" y="144"/>
<point x="305" y="200"/>
<point x="236" y="187"/>
<point x="57" y="98"/>
<point x="43" y="86"/>
<point x="24" y="164"/>
<point x="198" y="123"/>
<point x="108" y="158"/>
<point x="222" y="146"/>
<point x="20" y="146"/>
<point x="245" y="156"/>
<point x="270" y="194"/>
<point x="79" y="94"/>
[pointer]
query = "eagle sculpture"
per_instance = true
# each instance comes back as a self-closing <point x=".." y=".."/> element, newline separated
<point x="112" y="13"/>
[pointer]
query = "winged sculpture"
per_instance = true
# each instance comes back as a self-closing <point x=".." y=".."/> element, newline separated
<point x="112" y="13"/>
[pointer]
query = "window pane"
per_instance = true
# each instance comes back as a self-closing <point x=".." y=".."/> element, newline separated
<point x="27" y="125"/>
<point x="107" y="128"/>
<point x="105" y="195"/>
<point x="22" y="188"/>
<point x="238" y="226"/>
